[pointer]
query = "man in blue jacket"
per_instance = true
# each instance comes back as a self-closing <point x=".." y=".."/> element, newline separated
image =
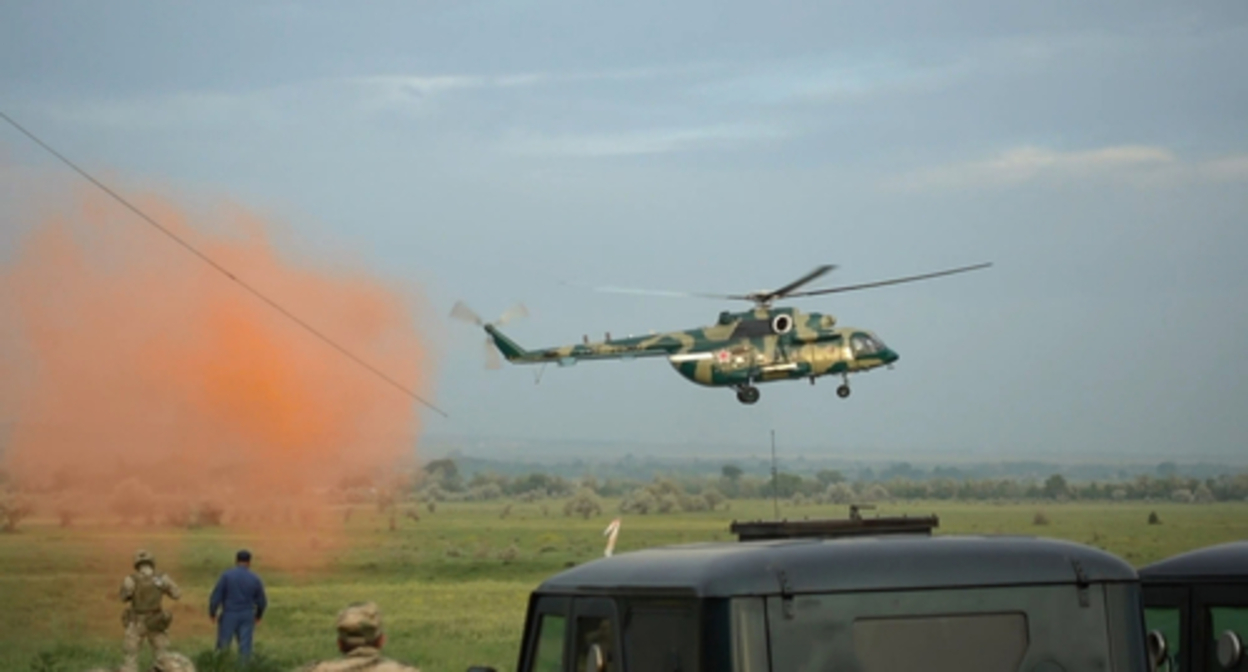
<point x="239" y="600"/>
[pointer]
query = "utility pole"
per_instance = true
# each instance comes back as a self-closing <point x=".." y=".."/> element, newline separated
<point x="775" y="482"/>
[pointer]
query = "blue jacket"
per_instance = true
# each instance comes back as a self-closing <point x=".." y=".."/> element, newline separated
<point x="238" y="590"/>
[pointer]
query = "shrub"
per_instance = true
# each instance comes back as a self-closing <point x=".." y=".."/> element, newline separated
<point x="1040" y="519"/>
<point x="14" y="510"/>
<point x="638" y="501"/>
<point x="209" y="514"/>
<point x="1182" y="495"/>
<point x="132" y="499"/>
<point x="875" y="493"/>
<point x="585" y="504"/>
<point x="838" y="493"/>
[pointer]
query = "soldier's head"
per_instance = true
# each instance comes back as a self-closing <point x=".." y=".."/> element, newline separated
<point x="144" y="557"/>
<point x="360" y="625"/>
<point x="169" y="661"/>
<point x="243" y="557"/>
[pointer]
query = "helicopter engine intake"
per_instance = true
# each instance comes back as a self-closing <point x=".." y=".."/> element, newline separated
<point x="781" y="324"/>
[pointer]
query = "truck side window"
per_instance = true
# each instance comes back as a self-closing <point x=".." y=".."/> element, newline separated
<point x="953" y="642"/>
<point x="1222" y="619"/>
<point x="549" y="654"/>
<point x="592" y="630"/>
<point x="1166" y="619"/>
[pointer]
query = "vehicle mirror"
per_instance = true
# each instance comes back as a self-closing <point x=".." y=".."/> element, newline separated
<point x="1158" y="650"/>
<point x="1230" y="650"/>
<point x="595" y="659"/>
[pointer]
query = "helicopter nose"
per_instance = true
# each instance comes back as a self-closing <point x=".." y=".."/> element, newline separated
<point x="891" y="356"/>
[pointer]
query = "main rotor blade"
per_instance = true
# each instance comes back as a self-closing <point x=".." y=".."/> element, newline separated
<point x="462" y="312"/>
<point x="894" y="281"/>
<point x="786" y="290"/>
<point x="652" y="292"/>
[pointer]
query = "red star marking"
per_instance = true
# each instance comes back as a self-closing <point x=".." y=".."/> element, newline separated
<point x="723" y="355"/>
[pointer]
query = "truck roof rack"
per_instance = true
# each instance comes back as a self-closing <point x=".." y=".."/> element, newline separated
<point x="854" y="526"/>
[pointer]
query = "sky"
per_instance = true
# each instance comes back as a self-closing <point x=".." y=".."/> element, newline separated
<point x="1096" y="153"/>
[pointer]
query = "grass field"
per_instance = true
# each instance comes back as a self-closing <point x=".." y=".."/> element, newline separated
<point x="453" y="586"/>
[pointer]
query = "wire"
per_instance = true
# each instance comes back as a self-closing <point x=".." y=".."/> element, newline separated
<point x="224" y="271"/>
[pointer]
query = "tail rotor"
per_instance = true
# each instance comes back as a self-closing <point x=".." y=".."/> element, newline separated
<point x="462" y="312"/>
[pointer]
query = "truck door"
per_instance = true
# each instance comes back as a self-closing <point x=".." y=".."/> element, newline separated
<point x="1218" y="608"/>
<point x="1167" y="610"/>
<point x="595" y="644"/>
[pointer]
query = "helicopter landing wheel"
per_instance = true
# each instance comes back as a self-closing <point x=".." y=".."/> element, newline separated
<point x="747" y="394"/>
<point x="842" y="391"/>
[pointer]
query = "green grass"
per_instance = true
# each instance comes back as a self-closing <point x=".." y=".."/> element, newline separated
<point x="449" y="595"/>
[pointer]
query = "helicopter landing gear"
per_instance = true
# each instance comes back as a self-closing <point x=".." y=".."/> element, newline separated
<point x="747" y="394"/>
<point x="843" y="390"/>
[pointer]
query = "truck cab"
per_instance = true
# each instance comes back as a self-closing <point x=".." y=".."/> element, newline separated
<point x="876" y="595"/>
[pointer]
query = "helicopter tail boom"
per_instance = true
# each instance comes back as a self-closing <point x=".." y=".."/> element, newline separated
<point x="510" y="349"/>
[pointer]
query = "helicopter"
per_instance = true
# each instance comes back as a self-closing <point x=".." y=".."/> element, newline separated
<point x="763" y="344"/>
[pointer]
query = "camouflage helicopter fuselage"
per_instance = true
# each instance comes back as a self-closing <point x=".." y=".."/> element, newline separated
<point x="754" y="346"/>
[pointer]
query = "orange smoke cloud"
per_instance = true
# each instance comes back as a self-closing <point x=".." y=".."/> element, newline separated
<point x="128" y="361"/>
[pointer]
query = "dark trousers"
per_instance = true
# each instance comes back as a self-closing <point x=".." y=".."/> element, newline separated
<point x="236" y="625"/>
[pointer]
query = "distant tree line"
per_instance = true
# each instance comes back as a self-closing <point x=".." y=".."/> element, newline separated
<point x="442" y="480"/>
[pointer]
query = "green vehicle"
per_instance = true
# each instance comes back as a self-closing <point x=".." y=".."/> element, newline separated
<point x="1196" y="608"/>
<point x="876" y="595"/>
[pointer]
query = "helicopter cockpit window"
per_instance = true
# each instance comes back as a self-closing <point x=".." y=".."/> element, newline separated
<point x="864" y="345"/>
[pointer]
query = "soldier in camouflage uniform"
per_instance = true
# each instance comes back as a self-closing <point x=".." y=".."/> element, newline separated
<point x="360" y="639"/>
<point x="144" y="618"/>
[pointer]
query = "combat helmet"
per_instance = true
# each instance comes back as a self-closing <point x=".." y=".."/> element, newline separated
<point x="359" y="624"/>
<point x="144" y="556"/>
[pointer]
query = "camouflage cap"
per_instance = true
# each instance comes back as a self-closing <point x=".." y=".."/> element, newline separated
<point x="170" y="661"/>
<point x="144" y="556"/>
<point x="359" y="624"/>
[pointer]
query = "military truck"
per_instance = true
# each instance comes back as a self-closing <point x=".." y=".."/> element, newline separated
<point x="870" y="594"/>
<point x="1196" y="606"/>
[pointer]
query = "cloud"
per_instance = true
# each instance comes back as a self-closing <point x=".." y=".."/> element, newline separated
<point x="406" y="89"/>
<point x="788" y="83"/>
<point x="640" y="142"/>
<point x="271" y="106"/>
<point x="1131" y="165"/>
